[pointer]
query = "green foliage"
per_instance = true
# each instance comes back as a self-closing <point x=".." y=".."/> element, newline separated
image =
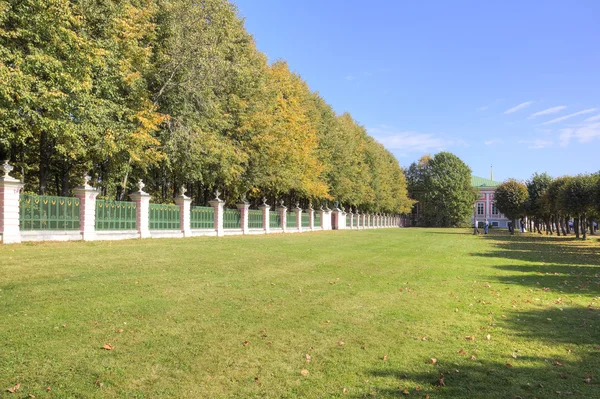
<point x="174" y="92"/>
<point x="577" y="195"/>
<point x="511" y="198"/>
<point x="442" y="185"/>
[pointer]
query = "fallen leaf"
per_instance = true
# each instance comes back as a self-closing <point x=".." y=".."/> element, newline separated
<point x="588" y="379"/>
<point x="462" y="352"/>
<point x="441" y="381"/>
<point x="424" y="339"/>
<point x="31" y="396"/>
<point x="564" y="375"/>
<point x="15" y="388"/>
<point x="345" y="390"/>
<point x="385" y="357"/>
<point x="472" y="358"/>
<point x="488" y="337"/>
<point x="470" y="338"/>
<point x="48" y="389"/>
<point x="307" y="358"/>
<point x="405" y="391"/>
<point x="341" y="343"/>
<point x="433" y="360"/>
<point x="108" y="347"/>
<point x="427" y="396"/>
<point x="120" y="330"/>
<point x="557" y="363"/>
<point x="256" y="379"/>
<point x="508" y="365"/>
<point x="418" y="388"/>
<point x="246" y="343"/>
<point x="304" y="372"/>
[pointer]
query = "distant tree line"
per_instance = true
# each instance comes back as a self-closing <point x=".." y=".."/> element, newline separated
<point x="174" y="92"/>
<point x="552" y="203"/>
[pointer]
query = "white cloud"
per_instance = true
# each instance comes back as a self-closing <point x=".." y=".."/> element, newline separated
<point x="518" y="107"/>
<point x="492" y="141"/>
<point x="483" y="108"/>
<point x="537" y="143"/>
<point x="548" y="111"/>
<point x="593" y="119"/>
<point x="562" y="118"/>
<point x="408" y="141"/>
<point x="583" y="134"/>
<point x="350" y="77"/>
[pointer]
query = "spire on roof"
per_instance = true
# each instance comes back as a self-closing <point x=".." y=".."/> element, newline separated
<point x="492" y="172"/>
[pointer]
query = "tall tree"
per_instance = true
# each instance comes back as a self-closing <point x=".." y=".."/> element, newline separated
<point x="511" y="198"/>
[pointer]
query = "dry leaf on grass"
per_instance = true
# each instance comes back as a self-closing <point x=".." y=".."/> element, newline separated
<point x="15" y="388"/>
<point x="307" y="358"/>
<point x="462" y="352"/>
<point x="246" y="343"/>
<point x="405" y="391"/>
<point x="433" y="360"/>
<point x="385" y="357"/>
<point x="441" y="381"/>
<point x="470" y="338"/>
<point x="304" y="372"/>
<point x="108" y="347"/>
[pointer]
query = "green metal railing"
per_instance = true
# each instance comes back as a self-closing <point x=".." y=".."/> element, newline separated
<point x="371" y="221"/>
<point x="231" y="219"/>
<point x="202" y="217"/>
<point x="305" y="220"/>
<point x="164" y="217"/>
<point x="290" y="220"/>
<point x="348" y="220"/>
<point x="255" y="219"/>
<point x="46" y="212"/>
<point x="115" y="215"/>
<point x="317" y="220"/>
<point x="274" y="220"/>
<point x="358" y="219"/>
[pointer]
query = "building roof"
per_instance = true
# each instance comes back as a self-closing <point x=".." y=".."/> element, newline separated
<point x="480" y="182"/>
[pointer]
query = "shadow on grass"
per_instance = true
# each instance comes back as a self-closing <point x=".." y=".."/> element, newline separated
<point x="539" y="248"/>
<point x="570" y="338"/>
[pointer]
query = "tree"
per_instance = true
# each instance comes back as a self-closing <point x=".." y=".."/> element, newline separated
<point x="577" y="199"/>
<point x="536" y="205"/>
<point x="511" y="198"/>
<point x="442" y="184"/>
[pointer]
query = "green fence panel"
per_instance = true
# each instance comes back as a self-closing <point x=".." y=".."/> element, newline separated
<point x="358" y="220"/>
<point x="115" y="215"/>
<point x="255" y="219"/>
<point x="231" y="219"/>
<point x="45" y="212"/>
<point x="305" y="220"/>
<point x="348" y="220"/>
<point x="290" y="220"/>
<point x="274" y="220"/>
<point x="371" y="221"/>
<point x="202" y="217"/>
<point x="317" y="220"/>
<point x="164" y="217"/>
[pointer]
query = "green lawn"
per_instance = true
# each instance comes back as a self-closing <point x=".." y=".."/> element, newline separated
<point x="236" y="317"/>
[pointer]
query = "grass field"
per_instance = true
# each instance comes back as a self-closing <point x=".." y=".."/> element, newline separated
<point x="380" y="313"/>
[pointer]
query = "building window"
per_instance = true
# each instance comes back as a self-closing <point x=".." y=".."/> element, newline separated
<point x="494" y="209"/>
<point x="480" y="208"/>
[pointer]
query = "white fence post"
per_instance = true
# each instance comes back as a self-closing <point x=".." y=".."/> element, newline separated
<point x="142" y="216"/>
<point x="10" y="189"/>
<point x="218" y="204"/>
<point x="185" y="204"/>
<point x="243" y="208"/>
<point x="87" y="209"/>
<point x="266" y="219"/>
<point x="283" y="214"/>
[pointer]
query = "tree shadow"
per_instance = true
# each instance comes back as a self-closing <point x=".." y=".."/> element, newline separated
<point x="570" y="337"/>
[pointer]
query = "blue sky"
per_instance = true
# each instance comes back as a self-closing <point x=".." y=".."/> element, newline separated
<point x="515" y="84"/>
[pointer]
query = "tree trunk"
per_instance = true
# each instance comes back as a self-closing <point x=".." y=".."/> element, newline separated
<point x="557" y="222"/>
<point x="576" y="227"/>
<point x="584" y="226"/>
<point x="124" y="182"/>
<point x="64" y="183"/>
<point x="45" y="155"/>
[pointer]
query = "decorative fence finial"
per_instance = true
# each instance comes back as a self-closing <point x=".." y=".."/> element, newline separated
<point x="264" y="200"/>
<point x="86" y="180"/>
<point x="310" y="205"/>
<point x="217" y="193"/>
<point x="281" y="202"/>
<point x="244" y="199"/>
<point x="7" y="168"/>
<point x="182" y="190"/>
<point x="297" y="204"/>
<point x="141" y="185"/>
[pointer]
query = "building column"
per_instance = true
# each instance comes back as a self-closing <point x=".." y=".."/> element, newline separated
<point x="10" y="191"/>
<point x="266" y="220"/>
<point x="283" y="214"/>
<point x="243" y="208"/>
<point x="218" y="204"/>
<point x="87" y="209"/>
<point x="142" y="209"/>
<point x="185" y="205"/>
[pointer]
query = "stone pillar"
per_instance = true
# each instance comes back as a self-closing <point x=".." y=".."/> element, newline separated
<point x="298" y="211"/>
<point x="243" y="208"/>
<point x="320" y="211"/>
<point x="336" y="218"/>
<point x="266" y="220"/>
<point x="343" y="220"/>
<point x="326" y="218"/>
<point x="311" y="217"/>
<point x="283" y="214"/>
<point x="218" y="204"/>
<point x="185" y="205"/>
<point x="10" y="189"/>
<point x="142" y="205"/>
<point x="87" y="209"/>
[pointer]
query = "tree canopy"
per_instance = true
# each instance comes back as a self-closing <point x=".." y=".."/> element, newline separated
<point x="176" y="93"/>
